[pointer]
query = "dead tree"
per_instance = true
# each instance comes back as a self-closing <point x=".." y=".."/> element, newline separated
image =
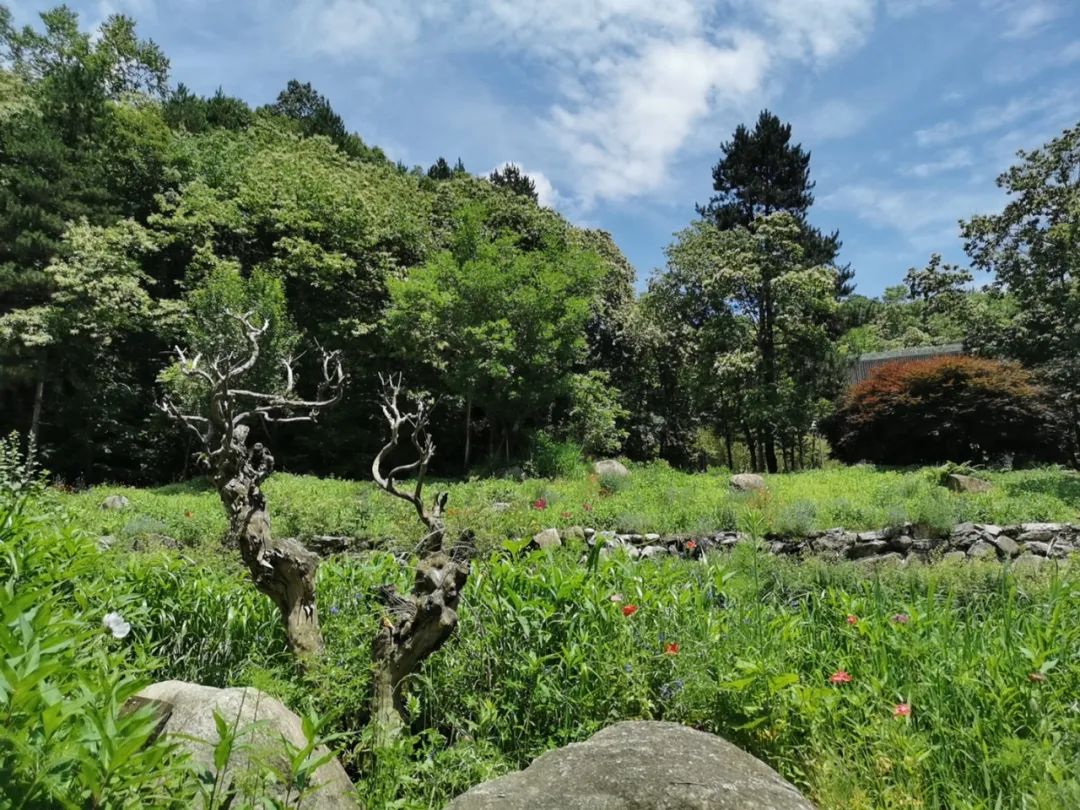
<point x="283" y="569"/>
<point x="415" y="624"/>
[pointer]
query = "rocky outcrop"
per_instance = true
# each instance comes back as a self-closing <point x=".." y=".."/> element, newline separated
<point x="747" y="482"/>
<point x="640" y="765"/>
<point x="186" y="712"/>
<point x="548" y="538"/>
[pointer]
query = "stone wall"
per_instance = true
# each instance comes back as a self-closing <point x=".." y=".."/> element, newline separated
<point x="1029" y="542"/>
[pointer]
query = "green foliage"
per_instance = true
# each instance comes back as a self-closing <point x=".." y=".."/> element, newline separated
<point x="67" y="740"/>
<point x="554" y="459"/>
<point x="1031" y="246"/>
<point x="596" y="416"/>
<point x="943" y="409"/>
<point x="545" y="656"/>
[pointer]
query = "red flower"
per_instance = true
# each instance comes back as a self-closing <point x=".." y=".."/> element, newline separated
<point x="691" y="545"/>
<point x="539" y="503"/>
<point x="587" y="507"/>
<point x="852" y="619"/>
<point x="1036" y="677"/>
<point x="901" y="618"/>
<point x="629" y="610"/>
<point x="671" y="648"/>
<point x="840" y="676"/>
<point x="901" y="710"/>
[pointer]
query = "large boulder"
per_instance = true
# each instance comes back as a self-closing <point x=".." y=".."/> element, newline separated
<point x="186" y="710"/>
<point x="747" y="482"/>
<point x="548" y="538"/>
<point x="115" y="502"/>
<point x="640" y="765"/>
<point x="966" y="483"/>
<point x="610" y="466"/>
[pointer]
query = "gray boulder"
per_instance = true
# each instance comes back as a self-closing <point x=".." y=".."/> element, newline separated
<point x="747" y="482"/>
<point x="115" y="502"/>
<point x="640" y="765"/>
<point x="186" y="711"/>
<point x="548" y="538"/>
<point x="966" y="483"/>
<point x="610" y="466"/>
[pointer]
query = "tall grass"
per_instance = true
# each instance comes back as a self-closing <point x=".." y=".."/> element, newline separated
<point x="653" y="498"/>
<point x="988" y="662"/>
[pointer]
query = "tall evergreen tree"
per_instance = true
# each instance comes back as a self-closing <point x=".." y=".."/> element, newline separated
<point x="513" y="178"/>
<point x="761" y="172"/>
<point x="312" y="113"/>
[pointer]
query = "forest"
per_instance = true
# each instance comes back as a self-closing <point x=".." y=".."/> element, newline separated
<point x="132" y="211"/>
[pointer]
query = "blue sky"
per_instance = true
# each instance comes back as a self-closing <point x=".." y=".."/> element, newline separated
<point x="911" y="108"/>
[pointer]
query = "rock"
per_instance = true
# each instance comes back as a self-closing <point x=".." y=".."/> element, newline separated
<point x="989" y="529"/>
<point x="868" y="548"/>
<point x="982" y="550"/>
<point x="575" y="533"/>
<point x="186" y="710"/>
<point x="115" y="502"/>
<point x="954" y="556"/>
<point x="548" y="538"/>
<point x="925" y="545"/>
<point x="966" y="483"/>
<point x="901" y="543"/>
<point x="1046" y="549"/>
<point x="105" y="542"/>
<point x="610" y="466"/>
<point x="653" y="551"/>
<point x="640" y="765"/>
<point x="652" y="537"/>
<point x="1005" y="544"/>
<point x="834" y="541"/>
<point x="747" y="482"/>
<point x="1038" y="532"/>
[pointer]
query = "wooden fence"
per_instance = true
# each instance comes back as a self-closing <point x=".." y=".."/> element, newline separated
<point x="861" y="368"/>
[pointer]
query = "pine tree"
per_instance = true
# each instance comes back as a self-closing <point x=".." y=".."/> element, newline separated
<point x="513" y="178"/>
<point x="762" y="172"/>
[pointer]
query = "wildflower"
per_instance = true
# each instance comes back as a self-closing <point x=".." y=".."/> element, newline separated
<point x="188" y="514"/>
<point x="539" y="503"/>
<point x="852" y="619"/>
<point x="587" y="507"/>
<point x="566" y="515"/>
<point x="690" y="545"/>
<point x="334" y="609"/>
<point x="671" y="648"/>
<point x="901" y="710"/>
<point x="901" y="618"/>
<point x="629" y="610"/>
<point x="669" y="690"/>
<point x="1037" y="677"/>
<point x="616" y="597"/>
<point x="116" y="625"/>
<point x="628" y="668"/>
<point x="840" y="676"/>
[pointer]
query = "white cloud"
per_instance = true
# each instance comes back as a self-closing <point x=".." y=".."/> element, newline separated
<point x="628" y="81"/>
<point x="922" y="215"/>
<point x="998" y="116"/>
<point x="907" y="8"/>
<point x="950" y="161"/>
<point x="1021" y="19"/>
<point x="1027" y="63"/>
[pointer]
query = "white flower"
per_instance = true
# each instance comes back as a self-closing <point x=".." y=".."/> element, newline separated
<point x="116" y="624"/>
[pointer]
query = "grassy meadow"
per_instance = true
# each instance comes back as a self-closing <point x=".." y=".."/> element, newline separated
<point x="654" y="498"/>
<point x="943" y="686"/>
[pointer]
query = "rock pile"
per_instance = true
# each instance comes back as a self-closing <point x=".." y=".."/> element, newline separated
<point x="1021" y="542"/>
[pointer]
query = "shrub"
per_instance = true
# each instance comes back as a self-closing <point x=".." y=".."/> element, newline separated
<point x="554" y="459"/>
<point x="943" y="409"/>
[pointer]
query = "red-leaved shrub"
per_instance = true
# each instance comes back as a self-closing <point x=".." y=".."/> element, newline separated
<point x="943" y="409"/>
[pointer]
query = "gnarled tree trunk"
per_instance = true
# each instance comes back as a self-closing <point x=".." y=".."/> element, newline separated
<point x="283" y="569"/>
